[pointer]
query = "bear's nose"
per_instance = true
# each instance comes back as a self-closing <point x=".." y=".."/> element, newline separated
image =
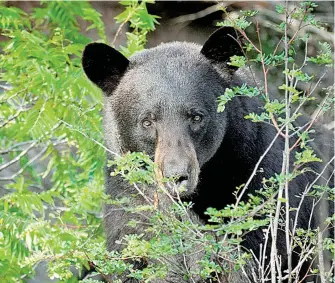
<point x="176" y="170"/>
<point x="182" y="180"/>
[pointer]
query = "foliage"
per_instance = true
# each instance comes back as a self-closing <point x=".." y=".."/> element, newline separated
<point x="51" y="136"/>
<point x="243" y="90"/>
<point x="140" y="21"/>
<point x="52" y="154"/>
<point x="135" y="167"/>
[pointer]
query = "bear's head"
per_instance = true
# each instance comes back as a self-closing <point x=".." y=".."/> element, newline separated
<point x="163" y="100"/>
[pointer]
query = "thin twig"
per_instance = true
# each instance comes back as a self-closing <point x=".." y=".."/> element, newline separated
<point x="121" y="26"/>
<point x="310" y="124"/>
<point x="86" y="136"/>
<point x="13" y="117"/>
<point x="25" y="166"/>
<point x="6" y="87"/>
<point x="257" y="165"/>
<point x="321" y="259"/>
<point x="198" y="15"/>
<point x="17" y="158"/>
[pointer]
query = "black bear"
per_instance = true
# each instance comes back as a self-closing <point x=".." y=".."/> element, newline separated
<point x="163" y="101"/>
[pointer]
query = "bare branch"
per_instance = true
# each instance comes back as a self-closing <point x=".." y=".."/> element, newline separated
<point x="310" y="123"/>
<point x="86" y="136"/>
<point x="198" y="15"/>
<point x="25" y="166"/>
<point x="257" y="165"/>
<point x="5" y="87"/>
<point x="121" y="26"/>
<point x="23" y="153"/>
<point x="13" y="117"/>
<point x="17" y="158"/>
<point x="321" y="259"/>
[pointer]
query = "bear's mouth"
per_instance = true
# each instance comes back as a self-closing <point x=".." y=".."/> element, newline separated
<point x="181" y="187"/>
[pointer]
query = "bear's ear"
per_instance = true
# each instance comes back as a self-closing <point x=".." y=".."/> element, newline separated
<point x="221" y="45"/>
<point x="103" y="65"/>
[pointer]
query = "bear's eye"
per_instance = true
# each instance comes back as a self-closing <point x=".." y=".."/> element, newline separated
<point x="196" y="118"/>
<point x="146" y="123"/>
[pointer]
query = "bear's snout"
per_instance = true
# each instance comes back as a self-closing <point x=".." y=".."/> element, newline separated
<point x="178" y="172"/>
<point x="179" y="166"/>
<point x="176" y="169"/>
